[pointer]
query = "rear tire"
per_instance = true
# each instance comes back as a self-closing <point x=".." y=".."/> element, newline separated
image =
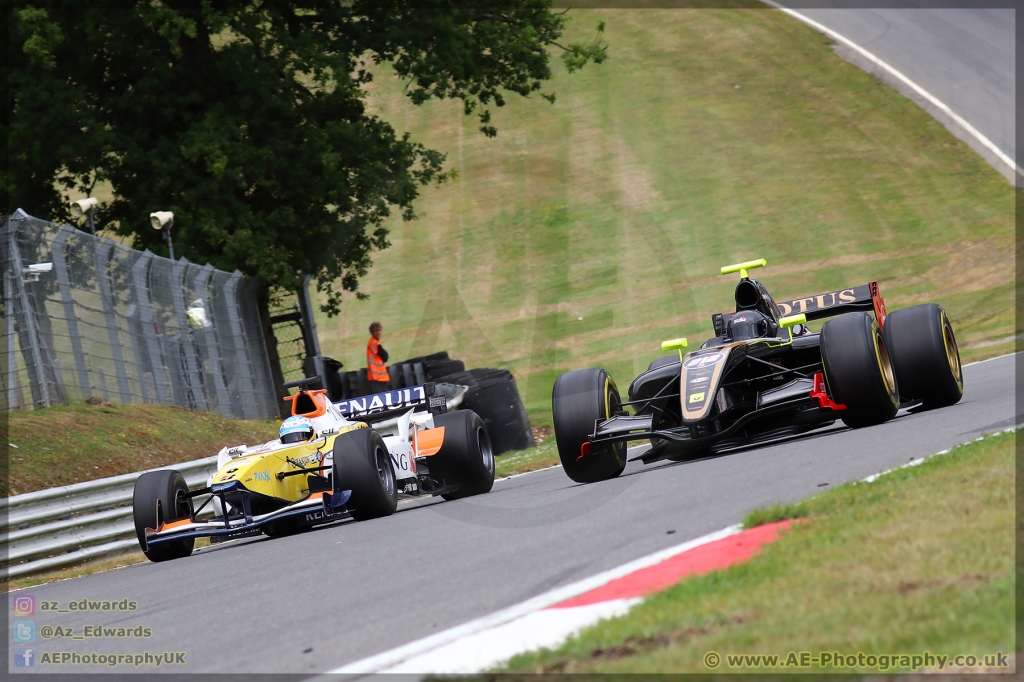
<point x="466" y="457"/>
<point x="362" y="464"/>
<point x="578" y="399"/>
<point x="161" y="497"/>
<point x="924" y="355"/>
<point x="858" y="370"/>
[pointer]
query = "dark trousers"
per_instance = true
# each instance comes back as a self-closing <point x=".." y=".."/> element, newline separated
<point x="378" y="386"/>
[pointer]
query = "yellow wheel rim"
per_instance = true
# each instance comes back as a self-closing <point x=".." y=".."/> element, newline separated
<point x="885" y="366"/>
<point x="952" y="352"/>
<point x="608" y="386"/>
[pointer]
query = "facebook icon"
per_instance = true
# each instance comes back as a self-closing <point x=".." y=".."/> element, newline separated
<point x="24" y="657"/>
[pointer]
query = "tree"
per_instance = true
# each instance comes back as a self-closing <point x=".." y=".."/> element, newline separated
<point x="247" y="118"/>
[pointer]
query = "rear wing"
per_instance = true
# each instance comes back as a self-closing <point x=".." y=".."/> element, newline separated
<point x="865" y="297"/>
<point x="391" y="403"/>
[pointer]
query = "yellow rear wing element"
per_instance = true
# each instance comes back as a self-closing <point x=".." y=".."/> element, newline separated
<point x="675" y="344"/>
<point x="742" y="268"/>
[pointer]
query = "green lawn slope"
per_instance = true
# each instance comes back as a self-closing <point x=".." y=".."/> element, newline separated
<point x="592" y="229"/>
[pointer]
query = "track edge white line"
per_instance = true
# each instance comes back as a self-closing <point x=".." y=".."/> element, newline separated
<point x="393" y="657"/>
<point x="895" y="73"/>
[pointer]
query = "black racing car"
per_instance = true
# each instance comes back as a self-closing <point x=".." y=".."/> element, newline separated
<point x="763" y="375"/>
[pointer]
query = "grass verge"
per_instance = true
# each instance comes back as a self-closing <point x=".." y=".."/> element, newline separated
<point x="920" y="560"/>
<point x="81" y="442"/>
<point x="778" y="512"/>
<point x="519" y="462"/>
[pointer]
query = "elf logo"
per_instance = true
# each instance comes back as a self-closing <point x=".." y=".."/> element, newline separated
<point x="703" y="361"/>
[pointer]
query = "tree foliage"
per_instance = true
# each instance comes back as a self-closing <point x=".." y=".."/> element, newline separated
<point x="247" y="119"/>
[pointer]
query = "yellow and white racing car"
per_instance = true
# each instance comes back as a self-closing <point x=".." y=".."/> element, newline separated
<point x="354" y="458"/>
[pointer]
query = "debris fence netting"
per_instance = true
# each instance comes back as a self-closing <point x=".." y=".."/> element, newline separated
<point x="88" y="317"/>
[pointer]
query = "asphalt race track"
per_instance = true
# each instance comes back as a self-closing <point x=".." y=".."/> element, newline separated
<point x="318" y="600"/>
<point x="963" y="56"/>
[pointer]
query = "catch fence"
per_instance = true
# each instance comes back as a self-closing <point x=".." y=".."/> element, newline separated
<point x="88" y="317"/>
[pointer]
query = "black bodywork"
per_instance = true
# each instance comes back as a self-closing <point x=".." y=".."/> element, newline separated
<point x="767" y="383"/>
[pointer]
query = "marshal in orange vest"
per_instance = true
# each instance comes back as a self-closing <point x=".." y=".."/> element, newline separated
<point x="376" y="356"/>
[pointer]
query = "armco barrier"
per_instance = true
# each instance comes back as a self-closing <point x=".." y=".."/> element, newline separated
<point x="58" y="527"/>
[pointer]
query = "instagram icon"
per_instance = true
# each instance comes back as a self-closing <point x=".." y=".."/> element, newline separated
<point x="24" y="606"/>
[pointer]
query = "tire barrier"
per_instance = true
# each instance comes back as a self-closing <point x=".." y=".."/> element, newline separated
<point x="444" y="368"/>
<point x="407" y="375"/>
<point x="494" y="396"/>
<point x="334" y="384"/>
<point x="429" y="359"/>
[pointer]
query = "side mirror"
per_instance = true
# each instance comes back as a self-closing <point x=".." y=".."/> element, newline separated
<point x="675" y="344"/>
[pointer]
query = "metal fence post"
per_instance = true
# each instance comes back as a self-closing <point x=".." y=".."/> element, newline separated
<point x="243" y="357"/>
<point x="194" y="383"/>
<point x="145" y="313"/>
<point x="60" y="266"/>
<point x="40" y="390"/>
<point x="256" y="342"/>
<point x="10" y="351"/>
<point x="209" y="336"/>
<point x="103" y="251"/>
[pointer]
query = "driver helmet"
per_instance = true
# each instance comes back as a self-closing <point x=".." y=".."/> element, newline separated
<point x="748" y="324"/>
<point x="297" y="430"/>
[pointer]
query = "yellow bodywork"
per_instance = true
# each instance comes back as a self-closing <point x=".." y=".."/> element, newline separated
<point x="258" y="471"/>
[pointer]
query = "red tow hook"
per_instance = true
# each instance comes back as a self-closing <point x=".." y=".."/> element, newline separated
<point x="584" y="450"/>
<point x="819" y="394"/>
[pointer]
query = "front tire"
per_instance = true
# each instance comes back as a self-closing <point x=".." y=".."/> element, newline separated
<point x="281" y="529"/>
<point x="466" y="457"/>
<point x="858" y="370"/>
<point x="161" y="497"/>
<point x="924" y="355"/>
<point x="362" y="464"/>
<point x="579" y="399"/>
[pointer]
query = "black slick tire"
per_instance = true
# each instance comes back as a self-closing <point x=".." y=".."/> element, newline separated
<point x="466" y="456"/>
<point x="161" y="497"/>
<point x="924" y="355"/>
<point x="858" y="370"/>
<point x="578" y="399"/>
<point x="362" y="464"/>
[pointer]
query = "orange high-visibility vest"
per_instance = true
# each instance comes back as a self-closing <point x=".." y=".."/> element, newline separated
<point x="376" y="370"/>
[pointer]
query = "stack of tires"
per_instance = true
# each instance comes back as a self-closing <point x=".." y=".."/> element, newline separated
<point x="411" y="372"/>
<point x="424" y="368"/>
<point x="494" y="396"/>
